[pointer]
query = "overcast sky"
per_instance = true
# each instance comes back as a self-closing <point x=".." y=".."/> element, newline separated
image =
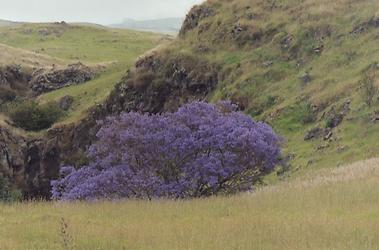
<point x="97" y="11"/>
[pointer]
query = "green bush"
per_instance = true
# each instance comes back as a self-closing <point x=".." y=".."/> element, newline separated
<point x="307" y="113"/>
<point x="31" y="116"/>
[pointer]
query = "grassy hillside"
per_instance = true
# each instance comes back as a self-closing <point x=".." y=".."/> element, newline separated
<point x="113" y="50"/>
<point x="329" y="209"/>
<point x="296" y="64"/>
<point x="12" y="55"/>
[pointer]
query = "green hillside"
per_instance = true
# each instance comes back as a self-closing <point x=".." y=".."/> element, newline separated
<point x="113" y="51"/>
<point x="11" y="55"/>
<point x="298" y="65"/>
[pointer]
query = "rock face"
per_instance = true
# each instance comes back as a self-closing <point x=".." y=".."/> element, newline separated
<point x="29" y="164"/>
<point x="13" y="81"/>
<point x="13" y="77"/>
<point x="48" y="80"/>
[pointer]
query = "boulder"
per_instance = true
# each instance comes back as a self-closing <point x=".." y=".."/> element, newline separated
<point x="318" y="133"/>
<point x="305" y="78"/>
<point x="65" y="102"/>
<point x="314" y="133"/>
<point x="334" y="120"/>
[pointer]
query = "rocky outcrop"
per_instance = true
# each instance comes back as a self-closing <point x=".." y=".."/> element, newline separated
<point x="372" y="23"/>
<point x="13" y="82"/>
<point x="30" y="164"/>
<point x="44" y="80"/>
<point x="194" y="17"/>
<point x="163" y="83"/>
<point x="13" y="77"/>
<point x="317" y="133"/>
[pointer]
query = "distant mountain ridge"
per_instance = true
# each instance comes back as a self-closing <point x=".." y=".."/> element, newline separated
<point x="7" y="23"/>
<point x="166" y="25"/>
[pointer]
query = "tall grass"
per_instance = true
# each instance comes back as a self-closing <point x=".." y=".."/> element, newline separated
<point x="330" y="209"/>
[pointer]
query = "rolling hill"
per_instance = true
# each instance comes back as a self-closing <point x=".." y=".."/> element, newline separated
<point x="35" y="45"/>
<point x="8" y="23"/>
<point x="167" y="26"/>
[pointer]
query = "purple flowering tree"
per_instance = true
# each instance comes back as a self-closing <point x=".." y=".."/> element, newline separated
<point x="200" y="150"/>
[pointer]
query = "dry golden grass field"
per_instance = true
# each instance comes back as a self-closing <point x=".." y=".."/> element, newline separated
<point x="328" y="209"/>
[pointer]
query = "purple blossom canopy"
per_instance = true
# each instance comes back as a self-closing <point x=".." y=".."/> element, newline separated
<point x="200" y="150"/>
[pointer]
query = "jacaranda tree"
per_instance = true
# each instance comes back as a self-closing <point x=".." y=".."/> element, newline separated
<point x="200" y="150"/>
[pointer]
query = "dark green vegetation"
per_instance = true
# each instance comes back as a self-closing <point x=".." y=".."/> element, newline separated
<point x="31" y="116"/>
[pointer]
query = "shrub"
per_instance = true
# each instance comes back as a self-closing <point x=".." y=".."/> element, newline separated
<point x="308" y="114"/>
<point x="31" y="116"/>
<point x="200" y="150"/>
<point x="370" y="90"/>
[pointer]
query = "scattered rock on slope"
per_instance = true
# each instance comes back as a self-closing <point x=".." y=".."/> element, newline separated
<point x="317" y="133"/>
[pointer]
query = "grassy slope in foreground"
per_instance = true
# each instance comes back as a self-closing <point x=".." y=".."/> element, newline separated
<point x="334" y="209"/>
<point x="113" y="48"/>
